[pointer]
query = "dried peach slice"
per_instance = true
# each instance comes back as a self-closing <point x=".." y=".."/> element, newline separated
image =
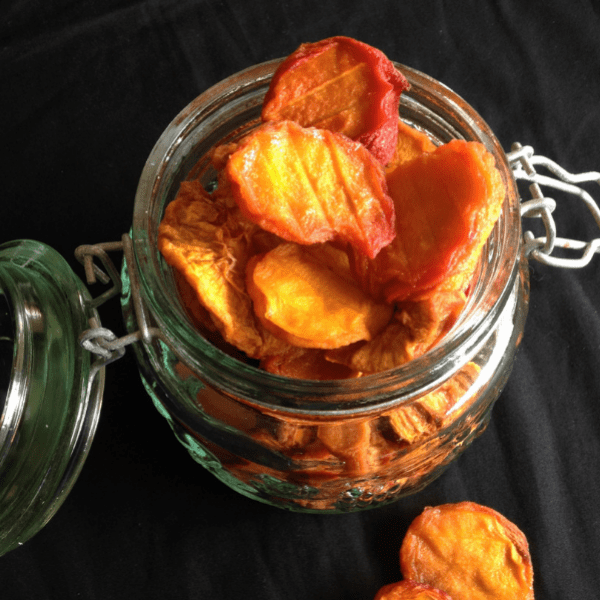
<point x="220" y="406"/>
<point x="342" y="85"/>
<point x="209" y="243"/>
<point x="416" y="327"/>
<point x="306" y="363"/>
<point x="411" y="143"/>
<point x="307" y="303"/>
<point x="356" y="442"/>
<point x="470" y="551"/>
<point x="309" y="185"/>
<point x="410" y="590"/>
<point x="412" y="422"/>
<point x="447" y="202"/>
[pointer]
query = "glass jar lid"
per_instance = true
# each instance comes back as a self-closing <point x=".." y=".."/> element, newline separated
<point x="50" y="393"/>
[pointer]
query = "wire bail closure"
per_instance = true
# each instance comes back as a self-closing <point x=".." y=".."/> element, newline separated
<point x="523" y="162"/>
<point x="99" y="340"/>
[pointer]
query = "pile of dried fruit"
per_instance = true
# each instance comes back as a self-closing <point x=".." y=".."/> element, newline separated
<point x="339" y="241"/>
<point x="462" y="551"/>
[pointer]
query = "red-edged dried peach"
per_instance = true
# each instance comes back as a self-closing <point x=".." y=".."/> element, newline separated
<point x="447" y="202"/>
<point x="343" y="85"/>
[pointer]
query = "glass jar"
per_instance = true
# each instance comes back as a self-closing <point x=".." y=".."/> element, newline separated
<point x="306" y="445"/>
<point x="50" y="394"/>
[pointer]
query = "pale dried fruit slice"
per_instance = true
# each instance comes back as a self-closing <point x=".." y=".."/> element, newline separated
<point x="412" y="422"/>
<point x="209" y="243"/>
<point x="416" y="327"/>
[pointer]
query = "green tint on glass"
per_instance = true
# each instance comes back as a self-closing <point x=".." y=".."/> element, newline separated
<point x="51" y="402"/>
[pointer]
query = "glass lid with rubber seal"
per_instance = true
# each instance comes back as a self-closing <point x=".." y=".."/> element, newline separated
<point x="50" y="392"/>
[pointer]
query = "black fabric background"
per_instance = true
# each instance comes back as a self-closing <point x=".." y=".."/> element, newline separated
<point x="87" y="87"/>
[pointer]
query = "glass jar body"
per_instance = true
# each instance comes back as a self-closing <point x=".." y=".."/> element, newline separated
<point x="307" y="445"/>
<point x="293" y="459"/>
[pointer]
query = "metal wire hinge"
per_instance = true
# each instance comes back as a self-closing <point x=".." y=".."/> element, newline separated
<point x="99" y="340"/>
<point x="523" y="162"/>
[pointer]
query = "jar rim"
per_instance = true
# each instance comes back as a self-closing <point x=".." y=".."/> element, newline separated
<point x="427" y="104"/>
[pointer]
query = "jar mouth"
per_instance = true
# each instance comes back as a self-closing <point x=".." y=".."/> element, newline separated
<point x="224" y="113"/>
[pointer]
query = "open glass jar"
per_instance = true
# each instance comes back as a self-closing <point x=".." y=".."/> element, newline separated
<point x="309" y="445"/>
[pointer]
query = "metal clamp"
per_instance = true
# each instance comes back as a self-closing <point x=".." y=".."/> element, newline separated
<point x="523" y="162"/>
<point x="99" y="340"/>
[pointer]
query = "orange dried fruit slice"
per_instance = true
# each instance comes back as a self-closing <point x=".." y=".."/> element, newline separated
<point x="470" y="551"/>
<point x="309" y="185"/>
<point x="350" y="441"/>
<point x="410" y="590"/>
<point x="357" y="443"/>
<point x="411" y="144"/>
<point x="306" y="363"/>
<point x="342" y="85"/>
<point x="447" y="202"/>
<point x="309" y="304"/>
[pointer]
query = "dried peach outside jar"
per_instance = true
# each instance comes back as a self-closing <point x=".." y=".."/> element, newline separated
<point x="308" y="445"/>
